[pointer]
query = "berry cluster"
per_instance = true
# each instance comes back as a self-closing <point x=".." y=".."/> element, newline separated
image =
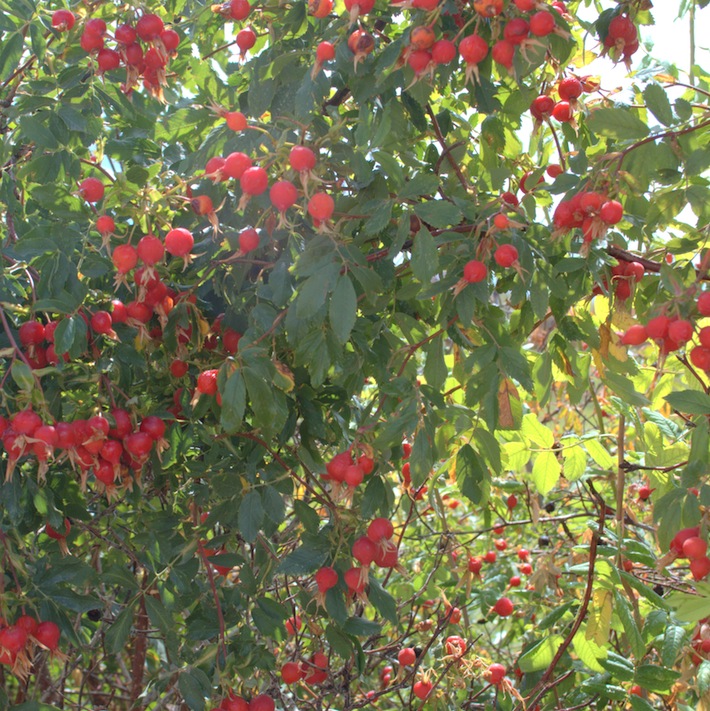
<point x="672" y="333"/>
<point x="144" y="48"/>
<point x="234" y="702"/>
<point x="591" y="211"/>
<point x="19" y="641"/>
<point x="112" y="448"/>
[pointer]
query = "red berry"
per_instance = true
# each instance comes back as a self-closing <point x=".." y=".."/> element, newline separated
<point x="475" y="564"/>
<point x="91" y="189"/>
<point x="562" y="112"/>
<point x="105" y="225"/>
<point x="138" y="444"/>
<point x="569" y="88"/>
<point x="474" y="271"/>
<point x="542" y="23"/>
<point x="635" y="335"/>
<point x="47" y="634"/>
<point x="246" y="39"/>
<point x="658" y="327"/>
<point x="473" y="49"/>
<point x="101" y="322"/>
<point x="149" y="27"/>
<point x="125" y="258"/>
<point x="108" y="60"/>
<point x="326" y="578"/>
<point x="695" y="547"/>
<point x="321" y="207"/>
<point x="680" y="331"/>
<point x="170" y="39"/>
<point x="496" y="673"/>
<point x="262" y="702"/>
<point x="542" y="107"/>
<point x="179" y="242"/>
<point x="443" y="51"/>
<point x="236" y="120"/>
<point x="506" y="255"/>
<point x="239" y="9"/>
<point x="325" y="51"/>
<point x="422" y="689"/>
<point x="364" y="551"/>
<point x="700" y="568"/>
<point x="503" y="53"/>
<point x="235" y="164"/>
<point x="254" y="181"/>
<point x="31" y="333"/>
<point x="150" y="249"/>
<point x="248" y="240"/>
<point x="379" y="529"/>
<point x="63" y="20"/>
<point x="207" y="382"/>
<point x="504" y="607"/>
<point x="611" y="212"/>
<point x="302" y="158"/>
<point x="283" y="194"/>
<point x="407" y="656"/>
<point x="291" y="672"/>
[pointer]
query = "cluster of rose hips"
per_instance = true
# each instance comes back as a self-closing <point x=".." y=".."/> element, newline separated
<point x="591" y="211"/>
<point x="283" y="194"/>
<point x="111" y="448"/>
<point x="144" y="48"/>
<point x="621" y="40"/>
<point x="19" y="641"/>
<point x="687" y="543"/>
<point x="349" y="467"/>
<point x="701" y="641"/>
<point x="234" y="702"/>
<point x="672" y="333"/>
<point x="544" y="106"/>
<point x="312" y="671"/>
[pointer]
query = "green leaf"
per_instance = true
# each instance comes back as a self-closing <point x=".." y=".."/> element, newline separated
<point x="692" y="402"/>
<point x="620" y="123"/>
<point x="22" y="375"/>
<point x="658" y="104"/>
<point x="233" y="402"/>
<point x="192" y="690"/>
<point x="673" y="641"/>
<point x="343" y="308"/>
<point x="307" y="558"/>
<point x="360" y="627"/>
<point x="339" y="641"/>
<point x="118" y="633"/>
<point x="10" y="53"/>
<point x="472" y="475"/>
<point x="251" y="515"/>
<point x="158" y="615"/>
<point x="70" y="336"/>
<point x="421" y="459"/>
<point x="536" y="432"/>
<point x="619" y="667"/>
<point x="425" y="256"/>
<point x="382" y="601"/>
<point x="546" y="472"/>
<point x="540" y="655"/>
<point x="655" y="678"/>
<point x="438" y="213"/>
<point x="589" y="652"/>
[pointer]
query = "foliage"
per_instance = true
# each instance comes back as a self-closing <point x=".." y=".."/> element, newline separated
<point x="340" y="368"/>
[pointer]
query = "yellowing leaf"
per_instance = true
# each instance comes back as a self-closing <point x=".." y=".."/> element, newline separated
<point x="509" y="406"/>
<point x="536" y="432"/>
<point x="546" y="472"/>
<point x="588" y="651"/>
<point x="599" y="620"/>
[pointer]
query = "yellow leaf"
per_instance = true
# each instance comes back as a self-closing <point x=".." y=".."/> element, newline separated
<point x="588" y="651"/>
<point x="599" y="621"/>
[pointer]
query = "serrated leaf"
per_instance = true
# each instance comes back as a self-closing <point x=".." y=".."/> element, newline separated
<point x="574" y="460"/>
<point x="382" y="601"/>
<point x="234" y="396"/>
<point x="472" y="475"/>
<point x="691" y="402"/>
<point x="192" y="691"/>
<point x="673" y="641"/>
<point x="540" y="655"/>
<point x="600" y="456"/>
<point x="510" y="406"/>
<point x="251" y="516"/>
<point x="588" y="652"/>
<point x="619" y="667"/>
<point x="656" y="678"/>
<point x="118" y="633"/>
<point x="633" y="635"/>
<point x="536" y="432"/>
<point x="702" y="676"/>
<point x="425" y="256"/>
<point x="658" y="104"/>
<point x="421" y="458"/>
<point x="343" y="308"/>
<point x="599" y="616"/>
<point x="158" y="615"/>
<point x="438" y="213"/>
<point x="307" y="558"/>
<point x="546" y="472"/>
<point x="620" y="123"/>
